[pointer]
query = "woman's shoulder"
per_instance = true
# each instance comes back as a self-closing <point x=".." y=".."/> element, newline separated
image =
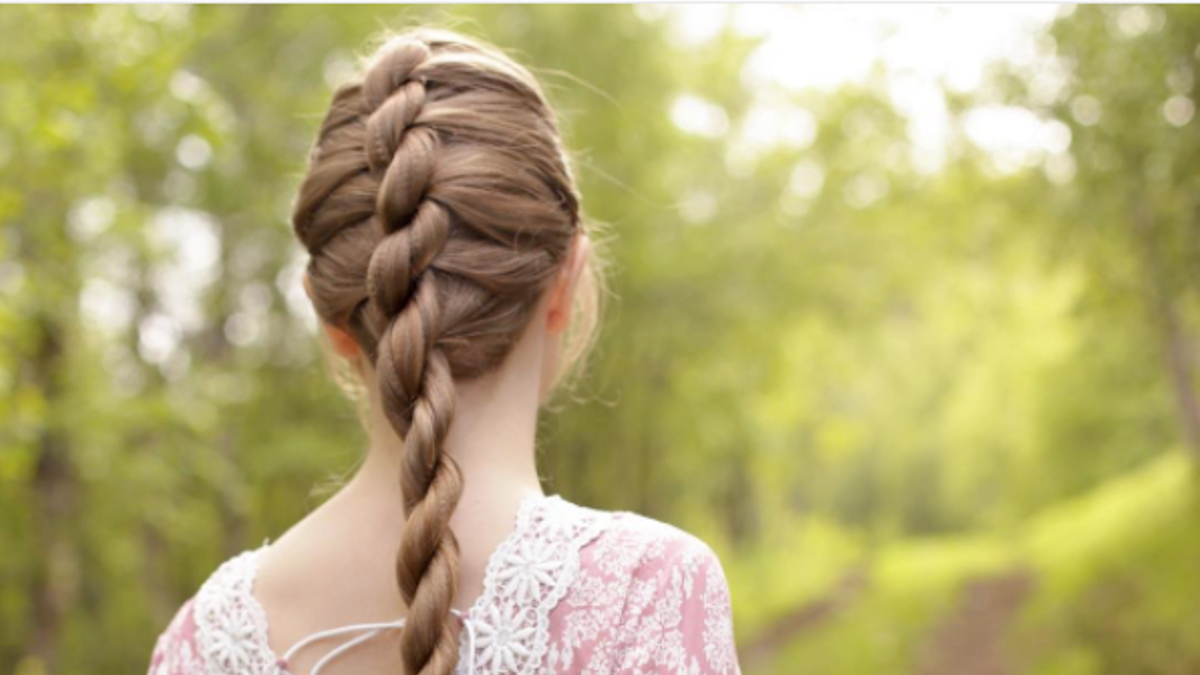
<point x="175" y="651"/>
<point x="615" y="543"/>
<point x="648" y="597"/>
<point x="220" y="621"/>
<point x="637" y="543"/>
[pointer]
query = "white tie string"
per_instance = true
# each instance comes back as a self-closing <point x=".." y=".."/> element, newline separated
<point x="334" y="653"/>
<point x="372" y="629"/>
<point x="375" y="628"/>
<point x="470" y="626"/>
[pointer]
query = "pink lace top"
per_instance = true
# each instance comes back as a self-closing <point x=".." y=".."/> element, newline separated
<point x="569" y="590"/>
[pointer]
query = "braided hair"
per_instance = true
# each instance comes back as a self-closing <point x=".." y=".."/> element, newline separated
<point x="437" y="207"/>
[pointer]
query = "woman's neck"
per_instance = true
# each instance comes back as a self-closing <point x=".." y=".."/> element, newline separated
<point x="493" y="438"/>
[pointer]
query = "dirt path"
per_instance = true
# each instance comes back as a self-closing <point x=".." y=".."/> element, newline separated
<point x="805" y="617"/>
<point x="970" y="640"/>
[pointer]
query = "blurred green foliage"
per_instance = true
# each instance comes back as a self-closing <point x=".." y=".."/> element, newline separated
<point x="934" y="420"/>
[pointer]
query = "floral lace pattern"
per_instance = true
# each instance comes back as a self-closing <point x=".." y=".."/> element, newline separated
<point x="570" y="590"/>
<point x="525" y="579"/>
<point x="650" y="598"/>
<point x="231" y="627"/>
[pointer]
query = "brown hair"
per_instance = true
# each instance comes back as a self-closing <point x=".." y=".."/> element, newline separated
<point x="437" y="208"/>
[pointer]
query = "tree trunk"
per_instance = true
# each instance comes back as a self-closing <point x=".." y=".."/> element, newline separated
<point x="55" y="495"/>
<point x="1172" y="333"/>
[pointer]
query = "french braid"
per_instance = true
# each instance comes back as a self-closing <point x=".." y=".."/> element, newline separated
<point x="437" y="207"/>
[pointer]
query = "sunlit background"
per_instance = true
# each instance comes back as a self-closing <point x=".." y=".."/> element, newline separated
<point x="905" y="317"/>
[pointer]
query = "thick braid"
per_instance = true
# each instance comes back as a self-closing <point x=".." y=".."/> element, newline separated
<point x="414" y="375"/>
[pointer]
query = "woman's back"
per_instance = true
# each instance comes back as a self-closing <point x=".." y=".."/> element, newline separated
<point x="568" y="590"/>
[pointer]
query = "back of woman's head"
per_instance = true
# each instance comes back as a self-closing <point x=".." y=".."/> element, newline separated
<point x="437" y="208"/>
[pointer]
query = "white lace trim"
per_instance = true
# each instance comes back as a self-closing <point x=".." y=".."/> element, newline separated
<point x="231" y="627"/>
<point x="526" y="577"/>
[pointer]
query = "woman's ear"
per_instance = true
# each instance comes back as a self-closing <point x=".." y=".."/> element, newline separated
<point x="558" y="315"/>
<point x="342" y="342"/>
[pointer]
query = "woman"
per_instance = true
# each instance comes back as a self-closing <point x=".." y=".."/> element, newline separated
<point x="448" y="261"/>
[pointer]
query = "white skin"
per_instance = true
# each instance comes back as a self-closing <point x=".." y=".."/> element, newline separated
<point x="337" y="565"/>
